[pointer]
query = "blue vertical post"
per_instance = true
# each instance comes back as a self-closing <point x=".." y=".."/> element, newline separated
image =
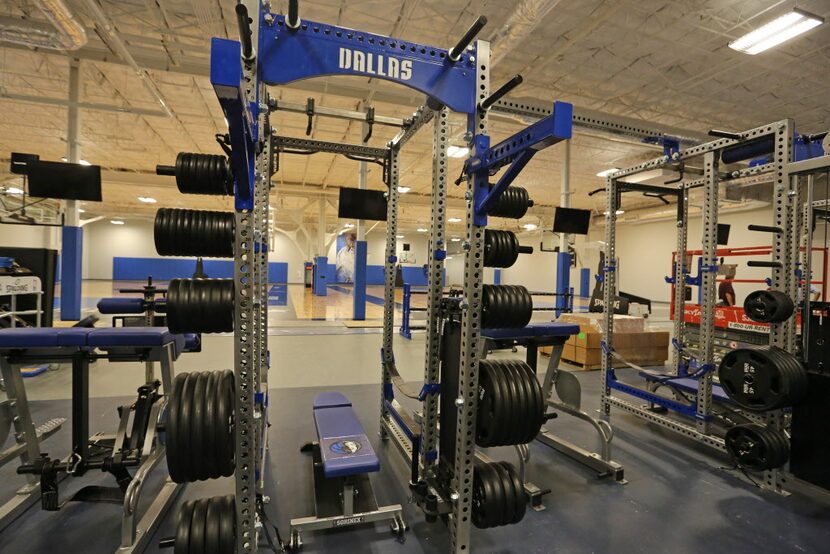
<point x="563" y="281"/>
<point x="72" y="250"/>
<point x="359" y="312"/>
<point x="321" y="267"/>
<point x="585" y="282"/>
<point x="405" y="330"/>
<point x="497" y="276"/>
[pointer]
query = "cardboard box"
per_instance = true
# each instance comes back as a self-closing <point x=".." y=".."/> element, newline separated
<point x="594" y="322"/>
<point x="644" y="348"/>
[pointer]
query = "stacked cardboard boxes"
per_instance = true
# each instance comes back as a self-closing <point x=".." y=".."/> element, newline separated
<point x="632" y="339"/>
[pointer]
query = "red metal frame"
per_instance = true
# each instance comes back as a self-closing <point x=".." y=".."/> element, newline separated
<point x="734" y="316"/>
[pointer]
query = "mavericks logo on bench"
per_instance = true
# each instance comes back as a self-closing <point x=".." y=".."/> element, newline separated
<point x="375" y="64"/>
<point x="345" y="447"/>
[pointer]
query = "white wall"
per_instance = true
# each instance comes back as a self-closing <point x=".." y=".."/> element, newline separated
<point x="30" y="236"/>
<point x="645" y="252"/>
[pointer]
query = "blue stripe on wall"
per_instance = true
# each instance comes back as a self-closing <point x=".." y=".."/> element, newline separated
<point x="164" y="269"/>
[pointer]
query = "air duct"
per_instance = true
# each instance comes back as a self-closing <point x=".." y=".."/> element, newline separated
<point x="64" y="33"/>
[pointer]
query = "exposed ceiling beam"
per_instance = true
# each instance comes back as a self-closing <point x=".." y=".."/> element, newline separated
<point x="83" y="105"/>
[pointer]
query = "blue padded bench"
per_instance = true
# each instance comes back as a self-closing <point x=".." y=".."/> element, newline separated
<point x="344" y="447"/>
<point x="686" y="384"/>
<point x="104" y="338"/>
<point x="534" y="335"/>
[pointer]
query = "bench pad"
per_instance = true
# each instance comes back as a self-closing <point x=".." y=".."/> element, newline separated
<point x="344" y="447"/>
<point x="687" y="384"/>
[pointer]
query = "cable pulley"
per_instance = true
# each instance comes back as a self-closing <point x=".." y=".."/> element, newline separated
<point x="200" y="305"/>
<point x="194" y="233"/>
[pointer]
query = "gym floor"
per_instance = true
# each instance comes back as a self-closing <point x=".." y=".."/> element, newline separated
<point x="680" y="496"/>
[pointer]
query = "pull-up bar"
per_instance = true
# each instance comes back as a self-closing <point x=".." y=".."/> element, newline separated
<point x="455" y="52"/>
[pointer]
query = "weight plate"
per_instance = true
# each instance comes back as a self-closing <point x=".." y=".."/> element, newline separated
<point x="520" y="499"/>
<point x="172" y="451"/>
<point x="482" y="509"/>
<point x="213" y="522"/>
<point x="197" y="527"/>
<point x="181" y="544"/>
<point x="513" y="406"/>
<point x="209" y="434"/>
<point x="227" y="525"/>
<point x="224" y="426"/>
<point x="509" y="493"/>
<point x="752" y="379"/>
<point x="198" y="428"/>
<point x="523" y="416"/>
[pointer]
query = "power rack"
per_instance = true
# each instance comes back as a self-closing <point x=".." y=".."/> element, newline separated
<point x="774" y="140"/>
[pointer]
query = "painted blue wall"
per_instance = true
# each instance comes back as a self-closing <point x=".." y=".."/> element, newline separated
<point x="164" y="269"/>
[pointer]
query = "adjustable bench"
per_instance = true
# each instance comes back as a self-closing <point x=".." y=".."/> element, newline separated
<point x="531" y="337"/>
<point x="343" y="458"/>
<point x="135" y="445"/>
<point x="687" y="384"/>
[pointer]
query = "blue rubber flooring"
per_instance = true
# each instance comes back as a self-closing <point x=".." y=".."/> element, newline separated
<point x="679" y="499"/>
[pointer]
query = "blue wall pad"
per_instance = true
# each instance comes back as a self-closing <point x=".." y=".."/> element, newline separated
<point x="359" y="305"/>
<point x="164" y="269"/>
<point x="323" y="274"/>
<point x="71" y="274"/>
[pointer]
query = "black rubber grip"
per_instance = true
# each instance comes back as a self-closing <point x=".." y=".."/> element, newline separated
<point x="501" y="92"/>
<point x="725" y="134"/>
<point x="244" y="24"/>
<point x="456" y="51"/>
<point x="759" y="263"/>
<point x="765" y="229"/>
<point x="166" y="170"/>
<point x="293" y="14"/>
<point x="525" y="250"/>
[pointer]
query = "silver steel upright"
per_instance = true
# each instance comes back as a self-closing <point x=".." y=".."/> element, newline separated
<point x="246" y="333"/>
<point x="390" y="269"/>
<point x="435" y="263"/>
<point x="609" y="276"/>
<point x="709" y="265"/>
<point x="785" y="201"/>
<point x="680" y="272"/>
<point x="462" y="478"/>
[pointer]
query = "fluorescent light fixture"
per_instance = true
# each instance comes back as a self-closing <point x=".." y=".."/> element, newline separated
<point x="421" y="230"/>
<point x="147" y="199"/>
<point x="349" y="225"/>
<point x="399" y="236"/>
<point x="13" y="190"/>
<point x="448" y="258"/>
<point x="530" y="226"/>
<point x="608" y="172"/>
<point x="404" y="190"/>
<point x="777" y="31"/>
<point x="454" y="220"/>
<point x="619" y="212"/>
<point x="457" y="151"/>
<point x="455" y="239"/>
<point x="81" y="211"/>
<point x="117" y="221"/>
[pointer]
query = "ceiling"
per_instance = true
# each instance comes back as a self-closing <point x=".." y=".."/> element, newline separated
<point x="658" y="61"/>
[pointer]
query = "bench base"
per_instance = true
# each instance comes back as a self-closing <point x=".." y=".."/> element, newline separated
<point x="341" y="502"/>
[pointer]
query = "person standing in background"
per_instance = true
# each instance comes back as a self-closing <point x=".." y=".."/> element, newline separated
<point x="726" y="292"/>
